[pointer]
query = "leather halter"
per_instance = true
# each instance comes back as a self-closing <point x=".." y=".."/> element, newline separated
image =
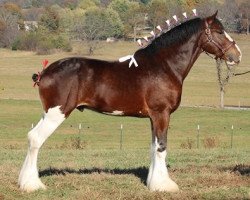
<point x="211" y="40"/>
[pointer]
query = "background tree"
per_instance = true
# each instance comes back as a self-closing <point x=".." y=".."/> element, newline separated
<point x="8" y="27"/>
<point x="229" y="15"/>
<point x="206" y="8"/>
<point x="71" y="4"/>
<point x="97" y="24"/>
<point x="244" y="9"/>
<point x="14" y="9"/>
<point x="135" y="19"/>
<point x="191" y="4"/>
<point x="68" y="17"/>
<point x="121" y="7"/>
<point x="32" y="14"/>
<point x="158" y="11"/>
<point x="105" y="3"/>
<point x="50" y="19"/>
<point x="85" y="4"/>
<point x="145" y="1"/>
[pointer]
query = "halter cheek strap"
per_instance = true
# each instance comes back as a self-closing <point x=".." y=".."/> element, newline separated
<point x="211" y="40"/>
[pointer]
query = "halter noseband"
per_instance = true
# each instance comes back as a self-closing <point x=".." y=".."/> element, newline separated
<point x="211" y="40"/>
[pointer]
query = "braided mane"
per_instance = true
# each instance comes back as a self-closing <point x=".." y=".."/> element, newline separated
<point x="176" y="35"/>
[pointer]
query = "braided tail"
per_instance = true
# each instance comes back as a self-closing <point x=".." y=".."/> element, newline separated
<point x="36" y="79"/>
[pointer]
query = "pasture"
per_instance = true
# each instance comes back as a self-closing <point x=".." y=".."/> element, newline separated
<point x="90" y="165"/>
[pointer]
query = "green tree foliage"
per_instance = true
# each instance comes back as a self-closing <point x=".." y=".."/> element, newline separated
<point x="145" y="1"/>
<point x="135" y="16"/>
<point x="68" y="17"/>
<point x="100" y="19"/>
<point x="97" y="24"/>
<point x="8" y="26"/>
<point x="14" y="9"/>
<point x="158" y="11"/>
<point x="244" y="24"/>
<point x="50" y="20"/>
<point x="71" y="4"/>
<point x="41" y="41"/>
<point x="114" y="23"/>
<point x="132" y="14"/>
<point x="121" y="7"/>
<point x="85" y="4"/>
<point x="191" y="4"/>
<point x="100" y="23"/>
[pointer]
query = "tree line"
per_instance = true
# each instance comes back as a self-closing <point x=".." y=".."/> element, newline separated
<point x="60" y="21"/>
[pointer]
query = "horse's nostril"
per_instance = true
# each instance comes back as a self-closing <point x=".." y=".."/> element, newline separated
<point x="230" y="58"/>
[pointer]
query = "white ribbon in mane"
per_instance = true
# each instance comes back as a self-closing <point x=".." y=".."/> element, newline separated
<point x="129" y="57"/>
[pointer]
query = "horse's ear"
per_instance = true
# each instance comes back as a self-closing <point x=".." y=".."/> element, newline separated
<point x="211" y="19"/>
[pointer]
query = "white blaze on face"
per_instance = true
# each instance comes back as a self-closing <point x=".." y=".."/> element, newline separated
<point x="237" y="47"/>
<point x="228" y="36"/>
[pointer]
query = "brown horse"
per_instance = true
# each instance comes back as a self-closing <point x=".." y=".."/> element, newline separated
<point x="152" y="90"/>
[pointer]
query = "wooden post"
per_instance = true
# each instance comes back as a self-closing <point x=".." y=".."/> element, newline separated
<point x="121" y="138"/>
<point x="79" y="128"/>
<point x="198" y="136"/>
<point x="247" y="24"/>
<point x="232" y="132"/>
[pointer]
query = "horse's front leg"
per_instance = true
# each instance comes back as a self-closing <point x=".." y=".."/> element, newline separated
<point x="158" y="177"/>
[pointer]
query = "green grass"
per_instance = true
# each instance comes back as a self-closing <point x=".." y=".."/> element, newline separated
<point x="99" y="130"/>
<point x="200" y="87"/>
<point x="100" y="170"/>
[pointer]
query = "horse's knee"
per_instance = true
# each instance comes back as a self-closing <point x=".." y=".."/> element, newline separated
<point x="33" y="138"/>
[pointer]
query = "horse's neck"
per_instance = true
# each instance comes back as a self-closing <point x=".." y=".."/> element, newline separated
<point x="180" y="60"/>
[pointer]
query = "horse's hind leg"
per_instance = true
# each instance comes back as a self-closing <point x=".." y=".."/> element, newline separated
<point x="28" y="178"/>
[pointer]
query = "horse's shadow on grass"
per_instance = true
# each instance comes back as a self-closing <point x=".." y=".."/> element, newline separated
<point x="241" y="169"/>
<point x="140" y="172"/>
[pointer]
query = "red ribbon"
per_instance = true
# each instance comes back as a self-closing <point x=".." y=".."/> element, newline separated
<point x="45" y="62"/>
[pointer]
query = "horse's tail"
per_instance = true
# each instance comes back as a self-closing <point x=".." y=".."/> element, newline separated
<point x="36" y="79"/>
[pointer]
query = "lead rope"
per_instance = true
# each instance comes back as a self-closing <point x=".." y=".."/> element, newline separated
<point x="209" y="55"/>
<point x="237" y="74"/>
<point x="219" y="63"/>
<point x="229" y="72"/>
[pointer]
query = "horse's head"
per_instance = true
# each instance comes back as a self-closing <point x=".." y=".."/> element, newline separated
<point x="215" y="40"/>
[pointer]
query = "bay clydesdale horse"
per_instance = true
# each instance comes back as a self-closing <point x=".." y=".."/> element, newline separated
<point x="152" y="90"/>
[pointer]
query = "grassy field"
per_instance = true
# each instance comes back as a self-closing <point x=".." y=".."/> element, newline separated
<point x="90" y="165"/>
<point x="200" y="88"/>
<point x="98" y="169"/>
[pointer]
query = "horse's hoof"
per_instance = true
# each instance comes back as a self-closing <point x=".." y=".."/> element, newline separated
<point x="32" y="186"/>
<point x="164" y="186"/>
